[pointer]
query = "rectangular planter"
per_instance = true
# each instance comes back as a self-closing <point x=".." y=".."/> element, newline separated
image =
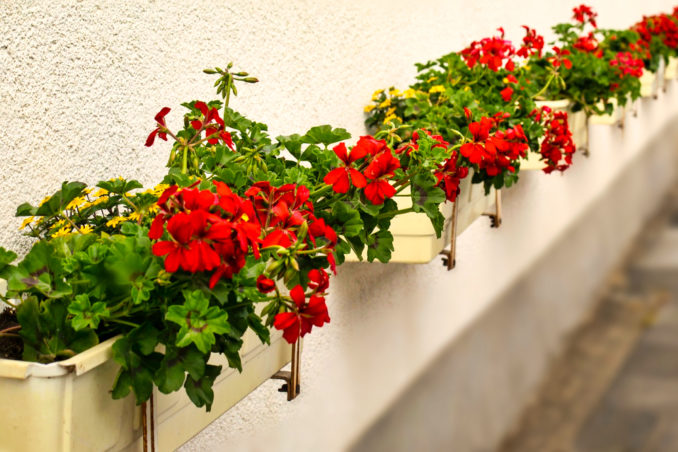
<point x="67" y="406"/>
<point x="650" y="81"/>
<point x="578" y="123"/>
<point x="613" y="119"/>
<point x="671" y="71"/>
<point x="414" y="239"/>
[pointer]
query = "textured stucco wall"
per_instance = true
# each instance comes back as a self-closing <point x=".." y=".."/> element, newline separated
<point x="81" y="80"/>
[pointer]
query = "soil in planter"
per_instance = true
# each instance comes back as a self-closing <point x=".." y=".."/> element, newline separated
<point x="10" y="347"/>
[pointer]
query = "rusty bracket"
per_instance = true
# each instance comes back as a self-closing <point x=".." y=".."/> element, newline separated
<point x="147" y="418"/>
<point x="496" y="215"/>
<point x="450" y="256"/>
<point x="291" y="386"/>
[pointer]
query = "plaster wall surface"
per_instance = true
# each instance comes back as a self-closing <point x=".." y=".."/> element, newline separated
<point x="81" y="81"/>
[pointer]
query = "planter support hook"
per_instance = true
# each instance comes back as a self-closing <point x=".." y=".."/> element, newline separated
<point x="496" y="215"/>
<point x="148" y="436"/>
<point x="291" y="386"/>
<point x="450" y="256"/>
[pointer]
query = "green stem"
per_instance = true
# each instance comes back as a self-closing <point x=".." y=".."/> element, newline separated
<point x="397" y="212"/>
<point x="543" y="90"/>
<point x="123" y="322"/>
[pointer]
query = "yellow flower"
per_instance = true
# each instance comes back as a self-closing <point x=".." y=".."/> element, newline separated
<point x="160" y="188"/>
<point x="390" y="111"/>
<point x="377" y="93"/>
<point x="44" y="201"/>
<point x="369" y="108"/>
<point x="101" y="192"/>
<point x="390" y="118"/>
<point x="394" y="92"/>
<point x="134" y="216"/>
<point x="86" y="191"/>
<point x="467" y="88"/>
<point x="409" y="93"/>
<point x="431" y="79"/>
<point x="100" y="200"/>
<point x="153" y="208"/>
<point x="62" y="232"/>
<point x="58" y="224"/>
<point x="437" y="89"/>
<point x="25" y="223"/>
<point x="245" y="217"/>
<point x="86" y="229"/>
<point x="76" y="203"/>
<point x="113" y="222"/>
<point x="386" y="103"/>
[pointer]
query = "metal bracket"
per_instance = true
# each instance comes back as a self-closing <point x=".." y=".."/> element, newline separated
<point x="291" y="386"/>
<point x="148" y="436"/>
<point x="450" y="256"/>
<point x="496" y="215"/>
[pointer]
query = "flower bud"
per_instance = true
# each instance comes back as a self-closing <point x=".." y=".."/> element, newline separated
<point x="250" y="80"/>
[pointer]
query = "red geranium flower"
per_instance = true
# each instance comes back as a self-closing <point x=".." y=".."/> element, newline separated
<point x="378" y="171"/>
<point x="298" y="324"/>
<point x="583" y="14"/>
<point x="161" y="130"/>
<point x="339" y="177"/>
<point x="264" y="284"/>
<point x="506" y="93"/>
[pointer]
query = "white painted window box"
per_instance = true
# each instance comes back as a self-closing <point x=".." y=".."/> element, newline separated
<point x="650" y="81"/>
<point x="616" y="118"/>
<point x="67" y="406"/>
<point x="414" y="239"/>
<point x="671" y="71"/>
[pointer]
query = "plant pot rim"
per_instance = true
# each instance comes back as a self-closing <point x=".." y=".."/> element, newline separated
<point x="79" y="364"/>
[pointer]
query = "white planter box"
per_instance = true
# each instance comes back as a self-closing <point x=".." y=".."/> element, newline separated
<point x="414" y="239"/>
<point x="613" y="119"/>
<point x="650" y="81"/>
<point x="67" y="406"/>
<point x="671" y="71"/>
<point x="578" y="123"/>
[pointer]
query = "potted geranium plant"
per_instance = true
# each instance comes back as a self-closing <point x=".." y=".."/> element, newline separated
<point x="165" y="281"/>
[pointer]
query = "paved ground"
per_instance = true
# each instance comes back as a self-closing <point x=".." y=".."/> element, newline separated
<point x="615" y="388"/>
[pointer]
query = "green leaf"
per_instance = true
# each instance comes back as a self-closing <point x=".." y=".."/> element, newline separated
<point x="85" y="314"/>
<point x="380" y="246"/>
<point x="6" y="258"/>
<point x="200" y="390"/>
<point x="198" y="321"/>
<point x="345" y="220"/>
<point x="427" y="198"/>
<point x="325" y="134"/>
<point x="261" y="331"/>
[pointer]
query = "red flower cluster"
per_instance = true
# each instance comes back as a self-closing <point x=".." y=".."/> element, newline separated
<point x="379" y="165"/>
<point x="306" y="314"/>
<point x="494" y="150"/>
<point x="557" y="146"/>
<point x="532" y="43"/>
<point x="661" y="25"/>
<point x="210" y="122"/>
<point x="217" y="231"/>
<point x="495" y="52"/>
<point x="584" y="14"/>
<point x="449" y="176"/>
<point x="207" y="231"/>
<point x="588" y="44"/>
<point x="281" y="213"/>
<point x="628" y="65"/>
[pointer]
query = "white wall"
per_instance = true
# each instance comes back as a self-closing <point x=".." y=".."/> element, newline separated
<point x="81" y="81"/>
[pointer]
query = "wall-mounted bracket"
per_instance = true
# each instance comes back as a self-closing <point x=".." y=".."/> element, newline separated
<point x="291" y="386"/>
<point x="496" y="215"/>
<point x="148" y="425"/>
<point x="450" y="256"/>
